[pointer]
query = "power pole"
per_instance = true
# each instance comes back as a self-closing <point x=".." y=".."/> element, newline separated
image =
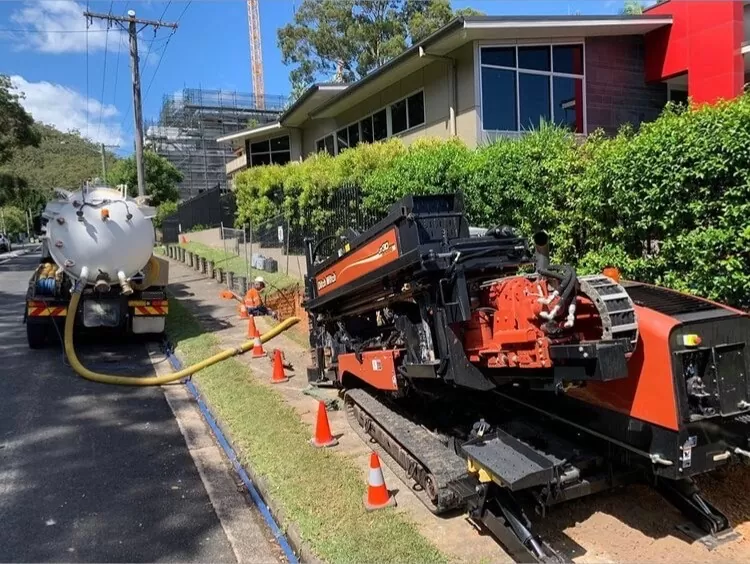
<point x="104" y="160"/>
<point x="132" y="23"/>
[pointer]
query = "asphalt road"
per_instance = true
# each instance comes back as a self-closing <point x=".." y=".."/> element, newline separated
<point x="90" y="472"/>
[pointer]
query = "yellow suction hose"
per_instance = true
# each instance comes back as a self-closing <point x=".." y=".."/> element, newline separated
<point x="84" y="372"/>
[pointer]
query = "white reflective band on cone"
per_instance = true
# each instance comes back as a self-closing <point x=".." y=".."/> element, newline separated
<point x="376" y="477"/>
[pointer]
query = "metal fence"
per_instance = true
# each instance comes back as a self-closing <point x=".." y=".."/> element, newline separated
<point x="211" y="208"/>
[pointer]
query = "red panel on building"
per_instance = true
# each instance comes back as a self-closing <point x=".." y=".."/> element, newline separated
<point x="704" y="41"/>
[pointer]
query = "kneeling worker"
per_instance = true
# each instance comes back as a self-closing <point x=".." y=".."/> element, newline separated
<point x="254" y="300"/>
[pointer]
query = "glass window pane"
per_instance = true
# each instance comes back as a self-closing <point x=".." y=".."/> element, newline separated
<point x="533" y="93"/>
<point x="330" y="147"/>
<point x="534" y="58"/>
<point x="416" y="109"/>
<point x="259" y="147"/>
<point x="342" y="139"/>
<point x="366" y="130"/>
<point x="498" y="100"/>
<point x="281" y="158"/>
<point x="354" y="135"/>
<point x="280" y="143"/>
<point x="398" y="117"/>
<point x="500" y="56"/>
<point x="379" y="125"/>
<point x="567" y="59"/>
<point x="319" y="146"/>
<point x="568" y="102"/>
<point x="261" y="159"/>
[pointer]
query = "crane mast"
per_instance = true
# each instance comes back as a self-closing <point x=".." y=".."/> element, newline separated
<point x="256" y="54"/>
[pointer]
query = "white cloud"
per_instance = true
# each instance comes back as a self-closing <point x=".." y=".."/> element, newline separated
<point x="65" y="108"/>
<point x="49" y="17"/>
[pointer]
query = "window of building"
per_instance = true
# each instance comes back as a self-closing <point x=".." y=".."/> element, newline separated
<point x="523" y="86"/>
<point x="270" y="151"/>
<point x="326" y="144"/>
<point x="407" y="113"/>
<point x="403" y="114"/>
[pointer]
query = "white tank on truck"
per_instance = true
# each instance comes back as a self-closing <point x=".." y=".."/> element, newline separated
<point x="102" y="232"/>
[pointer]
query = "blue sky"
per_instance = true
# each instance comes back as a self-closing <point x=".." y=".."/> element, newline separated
<point x="209" y="50"/>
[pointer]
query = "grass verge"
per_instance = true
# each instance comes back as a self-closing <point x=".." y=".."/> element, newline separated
<point x="318" y="490"/>
<point x="230" y="261"/>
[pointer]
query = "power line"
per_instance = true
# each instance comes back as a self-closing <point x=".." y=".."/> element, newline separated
<point x="87" y="73"/>
<point x="117" y="68"/>
<point x="87" y="31"/>
<point x="104" y="74"/>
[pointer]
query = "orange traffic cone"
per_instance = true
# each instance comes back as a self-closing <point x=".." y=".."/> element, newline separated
<point x="323" y="436"/>
<point x="258" y="351"/>
<point x="252" y="330"/>
<point x="278" y="369"/>
<point x="377" y="495"/>
<point x="242" y="311"/>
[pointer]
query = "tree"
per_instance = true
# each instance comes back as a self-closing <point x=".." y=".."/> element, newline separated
<point x="165" y="210"/>
<point x="61" y="160"/>
<point x="346" y="39"/>
<point x="161" y="177"/>
<point x="12" y="220"/>
<point x="16" y="126"/>
<point x="632" y="8"/>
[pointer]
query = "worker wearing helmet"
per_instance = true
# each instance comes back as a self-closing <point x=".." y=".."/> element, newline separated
<point x="254" y="299"/>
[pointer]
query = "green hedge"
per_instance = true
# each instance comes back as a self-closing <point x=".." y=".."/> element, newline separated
<point x="669" y="203"/>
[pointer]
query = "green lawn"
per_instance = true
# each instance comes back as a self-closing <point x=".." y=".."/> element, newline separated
<point x="230" y="261"/>
<point x="318" y="490"/>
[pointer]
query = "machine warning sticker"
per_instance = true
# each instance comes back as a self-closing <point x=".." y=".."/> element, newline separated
<point x="377" y="364"/>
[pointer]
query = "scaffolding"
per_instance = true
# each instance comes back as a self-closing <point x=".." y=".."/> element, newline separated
<point x="189" y="123"/>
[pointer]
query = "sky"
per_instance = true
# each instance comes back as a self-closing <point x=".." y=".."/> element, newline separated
<point x="74" y="79"/>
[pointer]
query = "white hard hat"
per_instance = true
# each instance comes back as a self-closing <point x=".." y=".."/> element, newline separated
<point x="259" y="280"/>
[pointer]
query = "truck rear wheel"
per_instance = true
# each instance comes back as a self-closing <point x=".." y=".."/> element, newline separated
<point x="36" y="333"/>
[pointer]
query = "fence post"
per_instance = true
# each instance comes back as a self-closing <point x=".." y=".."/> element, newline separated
<point x="242" y="285"/>
<point x="223" y="239"/>
<point x="288" y="236"/>
<point x="210" y="267"/>
<point x="247" y="264"/>
<point x="230" y="280"/>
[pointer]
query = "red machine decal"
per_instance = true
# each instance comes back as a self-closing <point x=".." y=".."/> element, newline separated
<point x="378" y="252"/>
<point x="378" y="368"/>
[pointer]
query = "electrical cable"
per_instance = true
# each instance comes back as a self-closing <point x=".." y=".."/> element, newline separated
<point x="104" y="73"/>
<point x="87" y="71"/>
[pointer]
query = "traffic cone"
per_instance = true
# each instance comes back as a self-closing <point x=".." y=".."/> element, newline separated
<point x="258" y="351"/>
<point x="323" y="436"/>
<point x="242" y="311"/>
<point x="252" y="330"/>
<point x="278" y="369"/>
<point x="377" y="495"/>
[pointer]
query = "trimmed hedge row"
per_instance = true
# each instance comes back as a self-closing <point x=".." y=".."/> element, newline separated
<point x="669" y="203"/>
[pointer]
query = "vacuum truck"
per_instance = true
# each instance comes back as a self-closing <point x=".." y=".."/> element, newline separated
<point x="100" y="236"/>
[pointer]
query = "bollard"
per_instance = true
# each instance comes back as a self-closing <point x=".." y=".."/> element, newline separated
<point x="241" y="285"/>
<point x="197" y="262"/>
<point x="169" y="251"/>
<point x="204" y="267"/>
<point x="210" y="267"/>
<point x="183" y="255"/>
<point x="190" y="258"/>
<point x="220" y="275"/>
<point x="230" y="280"/>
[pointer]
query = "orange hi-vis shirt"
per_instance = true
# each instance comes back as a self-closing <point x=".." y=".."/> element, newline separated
<point x="253" y="298"/>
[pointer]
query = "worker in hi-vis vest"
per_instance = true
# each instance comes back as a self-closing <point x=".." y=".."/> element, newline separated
<point x="254" y="299"/>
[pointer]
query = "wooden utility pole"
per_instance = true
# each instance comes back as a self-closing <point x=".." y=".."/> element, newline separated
<point x="132" y="23"/>
<point x="104" y="159"/>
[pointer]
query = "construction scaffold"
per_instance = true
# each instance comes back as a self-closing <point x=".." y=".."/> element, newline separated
<point x="189" y="123"/>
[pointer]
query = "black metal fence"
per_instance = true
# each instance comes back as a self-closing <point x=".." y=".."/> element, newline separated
<point x="347" y="212"/>
<point x="209" y="209"/>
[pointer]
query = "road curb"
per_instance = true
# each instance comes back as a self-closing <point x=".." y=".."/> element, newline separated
<point x="291" y="542"/>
